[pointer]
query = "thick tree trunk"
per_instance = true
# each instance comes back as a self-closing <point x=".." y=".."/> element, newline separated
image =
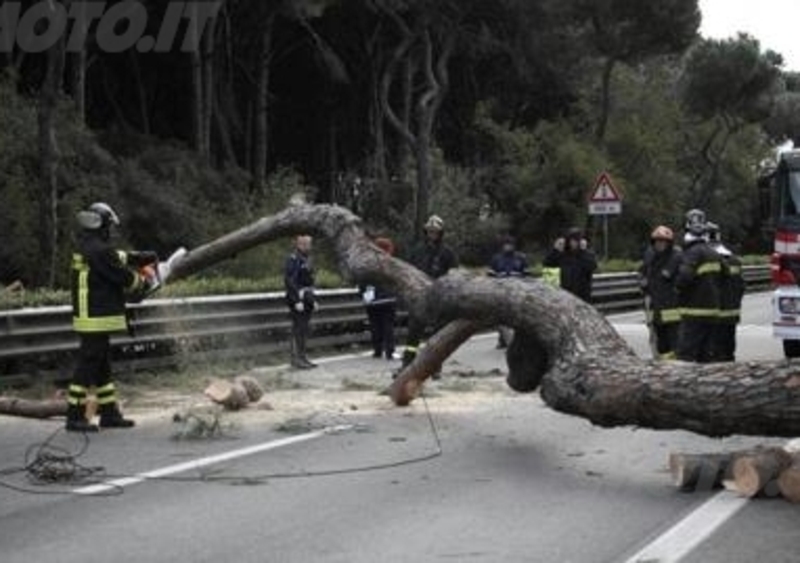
<point x="585" y="368"/>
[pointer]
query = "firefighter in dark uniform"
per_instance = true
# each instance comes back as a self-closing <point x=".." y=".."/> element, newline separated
<point x="434" y="258"/>
<point x="698" y="285"/>
<point x="657" y="280"/>
<point x="299" y="283"/>
<point x="103" y="279"/>
<point x="732" y="288"/>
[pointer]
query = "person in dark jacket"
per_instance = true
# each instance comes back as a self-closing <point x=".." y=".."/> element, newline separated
<point x="698" y="286"/>
<point x="103" y="280"/>
<point x="732" y="286"/>
<point x="299" y="283"/>
<point x="657" y="280"/>
<point x="381" y="308"/>
<point x="505" y="264"/>
<point x="576" y="264"/>
<point x="434" y="258"/>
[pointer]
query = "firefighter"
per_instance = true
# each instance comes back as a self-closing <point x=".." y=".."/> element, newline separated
<point x="507" y="263"/>
<point x="103" y="279"/>
<point x="434" y="258"/>
<point x="657" y="279"/>
<point x="574" y="264"/>
<point x="732" y="288"/>
<point x="300" y="297"/>
<point x="698" y="285"/>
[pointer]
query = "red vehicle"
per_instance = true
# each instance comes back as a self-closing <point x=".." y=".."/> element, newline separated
<point x="781" y="204"/>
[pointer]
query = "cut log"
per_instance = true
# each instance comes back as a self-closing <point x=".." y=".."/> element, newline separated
<point x="228" y="394"/>
<point x="789" y="481"/>
<point x="700" y="472"/>
<point x="33" y="409"/>
<point x="252" y="386"/>
<point x="757" y="473"/>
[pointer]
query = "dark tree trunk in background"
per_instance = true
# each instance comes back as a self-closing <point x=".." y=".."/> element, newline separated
<point x="261" y="129"/>
<point x="585" y="368"/>
<point x="49" y="159"/>
<point x="605" y="98"/>
<point x="79" y="63"/>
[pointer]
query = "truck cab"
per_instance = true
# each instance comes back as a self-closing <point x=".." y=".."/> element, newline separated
<point x="781" y="201"/>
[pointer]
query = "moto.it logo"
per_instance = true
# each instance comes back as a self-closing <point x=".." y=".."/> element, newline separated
<point x="112" y="26"/>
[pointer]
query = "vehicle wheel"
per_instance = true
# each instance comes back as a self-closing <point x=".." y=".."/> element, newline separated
<point x="791" y="348"/>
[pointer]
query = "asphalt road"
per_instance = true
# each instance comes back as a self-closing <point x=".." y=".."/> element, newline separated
<point x="493" y="477"/>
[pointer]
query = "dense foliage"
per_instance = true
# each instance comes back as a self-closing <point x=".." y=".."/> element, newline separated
<point x="497" y="115"/>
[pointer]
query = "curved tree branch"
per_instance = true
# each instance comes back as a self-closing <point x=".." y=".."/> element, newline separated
<point x="584" y="366"/>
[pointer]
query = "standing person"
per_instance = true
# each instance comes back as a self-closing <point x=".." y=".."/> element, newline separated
<point x="698" y="286"/>
<point x="103" y="278"/>
<point x="576" y="264"/>
<point x="434" y="258"/>
<point x="657" y="279"/>
<point x="731" y="292"/>
<point x="507" y="263"/>
<point x="381" y="311"/>
<point x="299" y="282"/>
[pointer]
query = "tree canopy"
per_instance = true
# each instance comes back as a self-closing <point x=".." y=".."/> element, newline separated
<point x="496" y="115"/>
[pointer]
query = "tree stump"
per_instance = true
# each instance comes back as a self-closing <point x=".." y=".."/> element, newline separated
<point x="692" y="472"/>
<point x="230" y="395"/>
<point x="789" y="481"/>
<point x="252" y="386"/>
<point x="752" y="474"/>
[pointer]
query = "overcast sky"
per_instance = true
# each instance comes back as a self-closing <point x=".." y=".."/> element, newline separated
<point x="775" y="23"/>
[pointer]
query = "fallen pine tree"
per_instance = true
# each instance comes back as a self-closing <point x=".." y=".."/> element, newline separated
<point x="563" y="347"/>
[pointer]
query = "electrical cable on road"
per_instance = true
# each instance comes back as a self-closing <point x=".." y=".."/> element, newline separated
<point x="47" y="464"/>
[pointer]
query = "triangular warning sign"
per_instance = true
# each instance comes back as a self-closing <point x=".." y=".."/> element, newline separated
<point x="604" y="190"/>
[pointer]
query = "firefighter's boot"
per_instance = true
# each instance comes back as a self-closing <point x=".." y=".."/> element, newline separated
<point x="76" y="419"/>
<point x="111" y="417"/>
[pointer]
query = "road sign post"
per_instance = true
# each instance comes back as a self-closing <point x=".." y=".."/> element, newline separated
<point x="605" y="200"/>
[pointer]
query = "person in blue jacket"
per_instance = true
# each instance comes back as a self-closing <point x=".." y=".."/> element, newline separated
<point x="506" y="264"/>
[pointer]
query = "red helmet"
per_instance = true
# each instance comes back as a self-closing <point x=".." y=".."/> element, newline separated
<point x="662" y="233"/>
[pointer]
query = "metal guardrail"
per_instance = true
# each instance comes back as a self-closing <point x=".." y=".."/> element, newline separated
<point x="200" y="329"/>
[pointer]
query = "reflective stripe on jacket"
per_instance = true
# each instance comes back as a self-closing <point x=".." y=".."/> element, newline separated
<point x="100" y="280"/>
<point x="698" y="282"/>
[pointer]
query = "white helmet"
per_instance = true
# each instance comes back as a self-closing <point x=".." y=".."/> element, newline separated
<point x="97" y="216"/>
<point x="435" y="223"/>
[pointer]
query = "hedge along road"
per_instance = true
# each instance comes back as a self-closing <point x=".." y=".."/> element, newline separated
<point x="514" y="482"/>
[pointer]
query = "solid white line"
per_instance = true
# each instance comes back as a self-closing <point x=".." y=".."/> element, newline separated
<point x="683" y="537"/>
<point x="116" y="484"/>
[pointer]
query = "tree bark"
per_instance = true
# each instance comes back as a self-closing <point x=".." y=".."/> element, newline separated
<point x="33" y="409"/>
<point x="605" y="98"/>
<point x="261" y="130"/>
<point x="753" y="474"/>
<point x="585" y="368"/>
<point x="49" y="159"/>
<point x="789" y="481"/>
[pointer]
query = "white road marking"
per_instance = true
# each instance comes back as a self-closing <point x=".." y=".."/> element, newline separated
<point x="116" y="484"/>
<point x="677" y="542"/>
